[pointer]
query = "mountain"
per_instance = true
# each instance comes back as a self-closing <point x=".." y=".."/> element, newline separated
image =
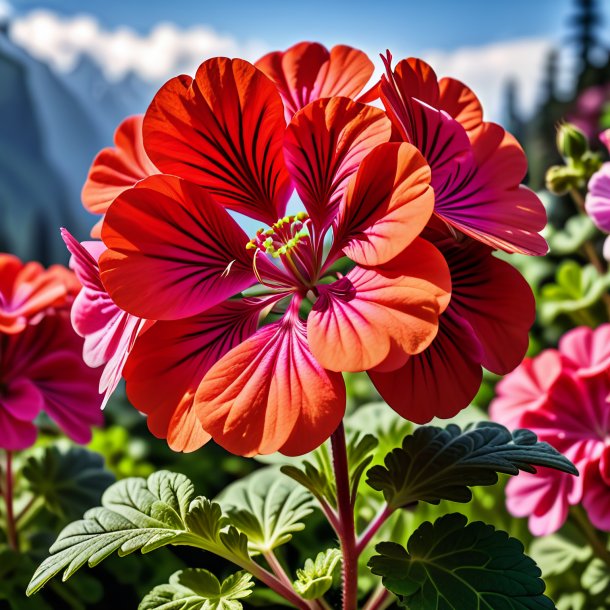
<point x="52" y="127"/>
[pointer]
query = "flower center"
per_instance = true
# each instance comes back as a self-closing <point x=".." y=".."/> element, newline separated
<point x="288" y="244"/>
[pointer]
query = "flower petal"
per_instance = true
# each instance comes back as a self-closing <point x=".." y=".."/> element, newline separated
<point x="496" y="301"/>
<point x="223" y="130"/>
<point x="460" y="102"/>
<point x="367" y="316"/>
<point x="587" y="349"/>
<point x="117" y="168"/>
<point x="308" y="71"/>
<point x="270" y="394"/>
<point x="598" y="198"/>
<point x="324" y="146"/>
<point x="439" y="382"/>
<point x="169" y="361"/>
<point x="172" y="251"/>
<point x="387" y="204"/>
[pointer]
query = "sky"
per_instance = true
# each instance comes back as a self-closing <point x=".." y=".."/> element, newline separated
<point x="481" y="42"/>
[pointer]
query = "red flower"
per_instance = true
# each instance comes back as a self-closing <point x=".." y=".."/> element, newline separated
<point x="176" y="255"/>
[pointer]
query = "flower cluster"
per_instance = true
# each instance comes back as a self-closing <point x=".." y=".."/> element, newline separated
<point x="563" y="396"/>
<point x="387" y="268"/>
<point x="41" y="367"/>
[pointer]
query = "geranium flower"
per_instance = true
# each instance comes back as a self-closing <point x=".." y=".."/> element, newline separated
<point x="41" y="368"/>
<point x="176" y="255"/>
<point x="565" y="399"/>
<point x="26" y="291"/>
<point x="116" y="168"/>
<point x="597" y="202"/>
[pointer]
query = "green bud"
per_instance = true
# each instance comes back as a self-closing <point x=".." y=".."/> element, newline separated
<point x="561" y="179"/>
<point x="591" y="162"/>
<point x="571" y="142"/>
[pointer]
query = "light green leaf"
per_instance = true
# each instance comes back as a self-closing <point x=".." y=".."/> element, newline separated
<point x="138" y="514"/>
<point x="198" y="589"/>
<point x="70" y="479"/>
<point x="575" y="290"/>
<point x="596" y="577"/>
<point x="576" y="231"/>
<point x="452" y="565"/>
<point x="573" y="601"/>
<point x="317" y="577"/>
<point x="268" y="507"/>
<point x="437" y="464"/>
<point x="557" y="553"/>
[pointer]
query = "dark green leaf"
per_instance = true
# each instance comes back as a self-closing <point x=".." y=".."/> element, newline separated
<point x="452" y="565"/>
<point x="317" y="577"/>
<point x="440" y="464"/>
<point x="197" y="589"/>
<point x="70" y="479"/>
<point x="268" y="507"/>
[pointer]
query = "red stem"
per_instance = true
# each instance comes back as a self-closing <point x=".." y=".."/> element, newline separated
<point x="372" y="528"/>
<point x="347" y="532"/>
<point x="11" y="525"/>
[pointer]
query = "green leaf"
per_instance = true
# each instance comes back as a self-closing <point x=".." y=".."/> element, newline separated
<point x="596" y="577"/>
<point x="437" y="464"/>
<point x="575" y="290"/>
<point x="268" y="507"/>
<point x="576" y="231"/>
<point x="573" y="601"/>
<point x="70" y="479"/>
<point x="197" y="589"/>
<point x="557" y="553"/>
<point x="138" y="514"/>
<point x="317" y="577"/>
<point x="453" y="565"/>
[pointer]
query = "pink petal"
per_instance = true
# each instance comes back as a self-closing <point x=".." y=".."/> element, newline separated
<point x="587" y="349"/>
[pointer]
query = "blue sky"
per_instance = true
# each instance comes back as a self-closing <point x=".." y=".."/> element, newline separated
<point x="416" y="24"/>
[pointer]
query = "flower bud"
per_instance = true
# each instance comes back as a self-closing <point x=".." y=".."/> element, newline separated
<point x="571" y="142"/>
<point x="561" y="179"/>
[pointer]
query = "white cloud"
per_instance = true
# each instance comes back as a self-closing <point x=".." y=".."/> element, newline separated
<point x="487" y="69"/>
<point x="167" y="50"/>
<point x="6" y="10"/>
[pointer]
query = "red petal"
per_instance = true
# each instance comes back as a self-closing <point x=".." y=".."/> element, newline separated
<point x="439" y="382"/>
<point x="270" y="394"/>
<point x="387" y="204"/>
<point x="495" y="299"/>
<point x="172" y="251"/>
<point x="324" y="146"/>
<point x="224" y="130"/>
<point x="117" y="168"/>
<point x="370" y="315"/>
<point x="460" y="102"/>
<point x="169" y="361"/>
<point x="307" y="72"/>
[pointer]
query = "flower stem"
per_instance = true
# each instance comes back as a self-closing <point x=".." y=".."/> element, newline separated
<point x="372" y="528"/>
<point x="590" y="533"/>
<point x="273" y="582"/>
<point x="347" y="532"/>
<point x="11" y="524"/>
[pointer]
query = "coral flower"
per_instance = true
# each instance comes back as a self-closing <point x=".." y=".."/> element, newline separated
<point x="41" y="368"/>
<point x="177" y="256"/>
<point x="26" y="291"/>
<point x="564" y="397"/>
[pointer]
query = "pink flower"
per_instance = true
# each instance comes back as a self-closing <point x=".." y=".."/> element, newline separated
<point x="564" y="397"/>
<point x="598" y="198"/>
<point x="41" y="368"/>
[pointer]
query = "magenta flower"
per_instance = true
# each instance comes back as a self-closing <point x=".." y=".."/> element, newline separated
<point x="564" y="397"/>
<point x="598" y="197"/>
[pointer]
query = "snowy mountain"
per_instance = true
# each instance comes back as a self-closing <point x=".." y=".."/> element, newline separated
<point x="52" y="127"/>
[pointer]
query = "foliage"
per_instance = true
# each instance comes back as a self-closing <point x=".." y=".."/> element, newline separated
<point x="317" y="576"/>
<point x="454" y="565"/>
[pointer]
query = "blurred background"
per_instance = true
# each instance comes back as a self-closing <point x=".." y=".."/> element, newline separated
<point x="70" y="71"/>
